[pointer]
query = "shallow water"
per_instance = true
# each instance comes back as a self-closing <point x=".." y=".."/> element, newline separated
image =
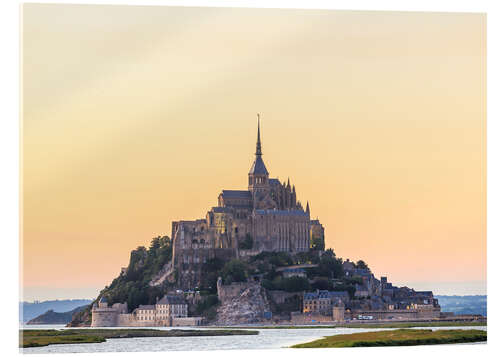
<point x="266" y="339"/>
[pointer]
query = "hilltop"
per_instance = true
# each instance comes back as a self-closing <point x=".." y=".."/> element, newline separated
<point x="30" y="310"/>
<point x="55" y="318"/>
<point x="281" y="279"/>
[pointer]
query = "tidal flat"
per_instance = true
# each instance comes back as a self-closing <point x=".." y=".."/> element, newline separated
<point x="39" y="338"/>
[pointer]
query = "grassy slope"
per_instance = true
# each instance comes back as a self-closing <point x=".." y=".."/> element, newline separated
<point x="38" y="338"/>
<point x="401" y="337"/>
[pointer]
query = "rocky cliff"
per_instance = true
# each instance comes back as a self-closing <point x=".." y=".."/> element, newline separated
<point x="241" y="303"/>
<point x="81" y="318"/>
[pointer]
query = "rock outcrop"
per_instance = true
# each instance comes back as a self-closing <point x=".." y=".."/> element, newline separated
<point x="242" y="303"/>
<point x="81" y="318"/>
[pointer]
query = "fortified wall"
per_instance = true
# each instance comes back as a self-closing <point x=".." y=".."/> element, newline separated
<point x="104" y="316"/>
<point x="408" y="314"/>
<point x="234" y="290"/>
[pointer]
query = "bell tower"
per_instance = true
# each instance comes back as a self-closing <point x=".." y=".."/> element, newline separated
<point x="258" y="177"/>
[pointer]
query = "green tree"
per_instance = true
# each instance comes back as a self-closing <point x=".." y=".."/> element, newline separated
<point x="211" y="271"/>
<point x="234" y="271"/>
<point x="361" y="265"/>
<point x="247" y="243"/>
<point x="330" y="266"/>
<point x="294" y="284"/>
<point x="322" y="283"/>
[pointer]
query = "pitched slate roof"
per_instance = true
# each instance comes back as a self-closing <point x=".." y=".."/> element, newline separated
<point x="278" y="212"/>
<point x="274" y="181"/>
<point x="171" y="300"/>
<point x="258" y="167"/>
<point x="220" y="210"/>
<point x="236" y="194"/>
<point x="325" y="294"/>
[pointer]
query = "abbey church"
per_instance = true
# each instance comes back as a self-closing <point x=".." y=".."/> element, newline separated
<point x="267" y="216"/>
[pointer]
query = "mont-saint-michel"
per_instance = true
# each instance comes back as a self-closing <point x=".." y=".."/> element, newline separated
<point x="255" y="258"/>
<point x="154" y="203"/>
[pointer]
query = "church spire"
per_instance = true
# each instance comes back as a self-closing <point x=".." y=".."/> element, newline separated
<point x="307" y="207"/>
<point x="258" y="174"/>
<point x="258" y="151"/>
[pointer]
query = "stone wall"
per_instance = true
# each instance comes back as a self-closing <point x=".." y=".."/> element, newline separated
<point x="309" y="318"/>
<point x="234" y="290"/>
<point x="410" y="314"/>
<point x="187" y="321"/>
<point x="104" y="317"/>
<point x="338" y="313"/>
<point x="280" y="296"/>
<point x="428" y="312"/>
<point x="128" y="320"/>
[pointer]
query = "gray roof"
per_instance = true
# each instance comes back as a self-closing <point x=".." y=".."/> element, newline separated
<point x="171" y="300"/>
<point x="236" y="194"/>
<point x="278" y="212"/>
<point x="258" y="167"/>
<point x="339" y="293"/>
<point x="325" y="294"/>
<point x="274" y="181"/>
<point x="146" y="307"/>
<point x="220" y="210"/>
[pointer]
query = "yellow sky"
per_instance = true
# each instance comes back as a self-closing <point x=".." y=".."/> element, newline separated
<point x="137" y="116"/>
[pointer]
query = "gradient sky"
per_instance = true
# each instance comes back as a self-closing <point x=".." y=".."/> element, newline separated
<point x="137" y="116"/>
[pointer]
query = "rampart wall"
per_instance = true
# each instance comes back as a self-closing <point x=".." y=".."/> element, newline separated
<point x="228" y="292"/>
<point x="104" y="317"/>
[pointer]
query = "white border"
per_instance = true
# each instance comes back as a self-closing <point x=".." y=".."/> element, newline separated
<point x="9" y="140"/>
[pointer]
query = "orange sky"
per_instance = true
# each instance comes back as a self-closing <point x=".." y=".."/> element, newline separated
<point x="137" y="116"/>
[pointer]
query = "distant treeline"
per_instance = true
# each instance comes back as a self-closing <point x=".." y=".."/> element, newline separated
<point x="464" y="305"/>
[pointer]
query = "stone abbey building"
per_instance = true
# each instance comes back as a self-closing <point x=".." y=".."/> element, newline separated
<point x="267" y="216"/>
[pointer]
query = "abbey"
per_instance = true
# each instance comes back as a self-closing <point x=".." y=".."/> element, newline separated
<point x="265" y="217"/>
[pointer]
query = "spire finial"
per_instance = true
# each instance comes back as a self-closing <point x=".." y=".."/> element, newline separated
<point x="258" y="151"/>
